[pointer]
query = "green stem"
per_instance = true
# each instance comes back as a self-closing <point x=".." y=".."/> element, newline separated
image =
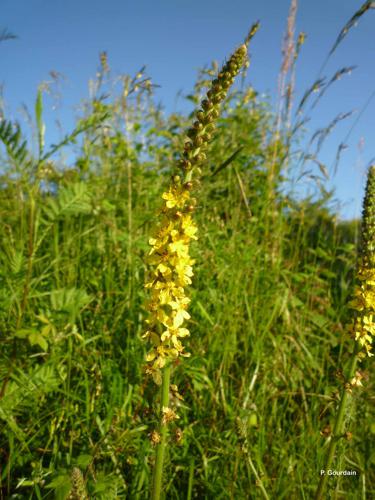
<point x="191" y="478"/>
<point x="338" y="428"/>
<point x="160" y="450"/>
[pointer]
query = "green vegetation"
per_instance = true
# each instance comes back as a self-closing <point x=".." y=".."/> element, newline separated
<point x="273" y="274"/>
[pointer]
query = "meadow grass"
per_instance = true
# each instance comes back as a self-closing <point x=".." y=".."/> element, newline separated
<point x="273" y="275"/>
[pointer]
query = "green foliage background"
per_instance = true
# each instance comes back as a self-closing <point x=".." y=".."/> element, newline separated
<point x="272" y="276"/>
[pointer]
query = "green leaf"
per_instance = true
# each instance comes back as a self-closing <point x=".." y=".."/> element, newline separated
<point x="70" y="300"/>
<point x="24" y="333"/>
<point x="10" y="136"/>
<point x="73" y="200"/>
<point x="318" y="320"/>
<point x="34" y="336"/>
<point x="38" y="339"/>
<point x="84" y="460"/>
<point x="62" y="486"/>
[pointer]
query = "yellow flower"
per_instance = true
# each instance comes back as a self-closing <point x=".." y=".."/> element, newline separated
<point x="164" y="270"/>
<point x="189" y="227"/>
<point x="368" y="324"/>
<point x="175" y="197"/>
<point x="367" y="275"/>
<point x="179" y="247"/>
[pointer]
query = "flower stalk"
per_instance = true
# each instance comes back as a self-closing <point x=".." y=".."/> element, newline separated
<point x="160" y="450"/>
<point x="362" y="327"/>
<point x="171" y="267"/>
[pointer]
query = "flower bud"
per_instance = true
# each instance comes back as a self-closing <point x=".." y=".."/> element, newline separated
<point x="233" y="68"/>
<point x="200" y="115"/>
<point x="206" y="104"/>
<point x="242" y="50"/>
<point x="185" y="164"/>
<point x="218" y="98"/>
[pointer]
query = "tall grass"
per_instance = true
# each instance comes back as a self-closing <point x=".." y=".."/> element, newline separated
<point x="268" y="311"/>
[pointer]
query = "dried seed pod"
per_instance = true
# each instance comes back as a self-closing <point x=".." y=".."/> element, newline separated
<point x="178" y="436"/>
<point x="155" y="438"/>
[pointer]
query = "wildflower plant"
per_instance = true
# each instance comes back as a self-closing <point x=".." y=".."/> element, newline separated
<point x="363" y="303"/>
<point x="171" y="267"/>
<point x="362" y="326"/>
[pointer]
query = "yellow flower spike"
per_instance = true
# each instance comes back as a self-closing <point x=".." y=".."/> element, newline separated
<point x="363" y="302"/>
<point x="169" y="256"/>
<point x="170" y="245"/>
<point x="362" y="327"/>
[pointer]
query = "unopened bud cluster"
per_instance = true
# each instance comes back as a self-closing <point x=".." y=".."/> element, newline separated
<point x="200" y="134"/>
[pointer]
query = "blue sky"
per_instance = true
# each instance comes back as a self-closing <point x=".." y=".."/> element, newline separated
<point x="174" y="38"/>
